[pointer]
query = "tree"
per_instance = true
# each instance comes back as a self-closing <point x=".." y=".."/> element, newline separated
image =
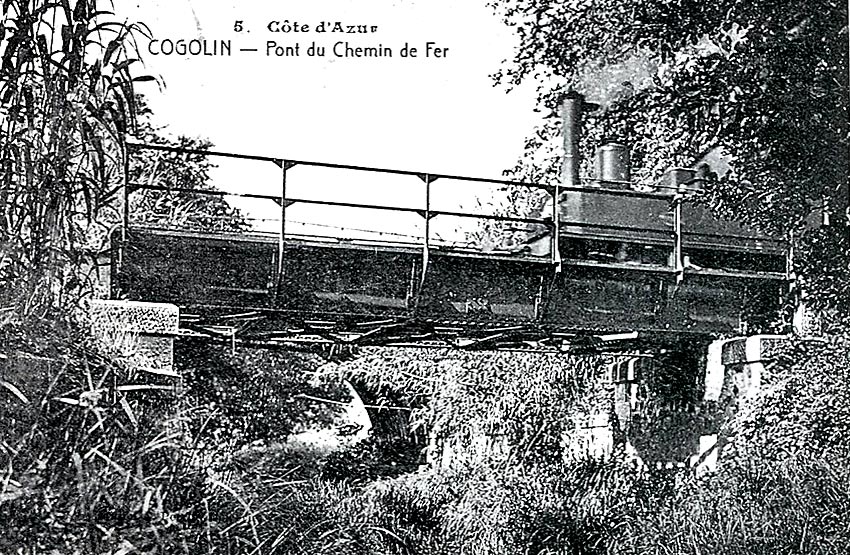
<point x="764" y="82"/>
<point x="66" y="102"/>
<point x="186" y="208"/>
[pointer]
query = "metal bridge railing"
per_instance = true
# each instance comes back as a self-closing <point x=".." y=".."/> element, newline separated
<point x="554" y="224"/>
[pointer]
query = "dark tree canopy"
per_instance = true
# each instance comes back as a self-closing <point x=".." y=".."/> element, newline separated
<point x="763" y="82"/>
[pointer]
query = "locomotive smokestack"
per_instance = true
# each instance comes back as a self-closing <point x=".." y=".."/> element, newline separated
<point x="572" y="108"/>
<point x="570" y="205"/>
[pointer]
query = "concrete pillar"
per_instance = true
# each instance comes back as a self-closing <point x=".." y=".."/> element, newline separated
<point x="736" y="367"/>
<point x="142" y="332"/>
<point x="745" y="356"/>
<point x="715" y="371"/>
<point x="705" y="460"/>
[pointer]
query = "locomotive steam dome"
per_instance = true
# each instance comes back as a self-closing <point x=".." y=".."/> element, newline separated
<point x="613" y="165"/>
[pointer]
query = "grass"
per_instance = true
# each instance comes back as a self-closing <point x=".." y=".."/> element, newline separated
<point x="91" y="452"/>
<point x="91" y="467"/>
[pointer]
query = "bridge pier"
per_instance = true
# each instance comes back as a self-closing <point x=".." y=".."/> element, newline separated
<point x="668" y="410"/>
<point x="734" y="375"/>
<point x="143" y="332"/>
<point x="745" y="358"/>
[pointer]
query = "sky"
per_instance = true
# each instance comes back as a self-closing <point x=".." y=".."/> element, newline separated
<point x="437" y="112"/>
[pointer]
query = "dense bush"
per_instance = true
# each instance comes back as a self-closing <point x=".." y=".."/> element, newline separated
<point x="530" y="399"/>
<point x="249" y="394"/>
<point x="783" y="485"/>
<point x="371" y="459"/>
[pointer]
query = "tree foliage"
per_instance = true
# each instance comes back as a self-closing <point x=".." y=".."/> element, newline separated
<point x="521" y="403"/>
<point x="764" y="82"/>
<point x="192" y="203"/>
<point x="66" y="102"/>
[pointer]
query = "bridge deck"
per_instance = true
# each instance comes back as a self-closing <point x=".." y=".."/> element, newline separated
<point x="378" y="293"/>
<point x="625" y="262"/>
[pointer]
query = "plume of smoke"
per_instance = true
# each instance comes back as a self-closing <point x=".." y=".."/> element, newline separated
<point x="607" y="83"/>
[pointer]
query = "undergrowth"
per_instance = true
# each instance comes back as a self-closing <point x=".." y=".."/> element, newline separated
<point x="91" y="449"/>
<point x="91" y="466"/>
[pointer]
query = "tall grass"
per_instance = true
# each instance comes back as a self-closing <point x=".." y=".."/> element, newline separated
<point x="89" y="467"/>
<point x="476" y="510"/>
<point x="91" y="450"/>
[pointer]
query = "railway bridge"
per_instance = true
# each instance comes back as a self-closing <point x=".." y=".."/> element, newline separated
<point x="581" y="265"/>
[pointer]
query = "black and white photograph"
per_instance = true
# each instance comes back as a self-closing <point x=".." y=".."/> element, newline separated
<point x="424" y="277"/>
